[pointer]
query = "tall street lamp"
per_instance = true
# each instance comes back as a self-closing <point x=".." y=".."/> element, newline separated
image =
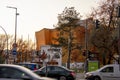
<point x="7" y="43"/>
<point x="15" y="44"/>
<point x="86" y="45"/>
<point x="86" y="24"/>
<point x="15" y="20"/>
<point x="69" y="48"/>
<point x="118" y="21"/>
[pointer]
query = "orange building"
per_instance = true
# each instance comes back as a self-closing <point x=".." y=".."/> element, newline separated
<point x="45" y="37"/>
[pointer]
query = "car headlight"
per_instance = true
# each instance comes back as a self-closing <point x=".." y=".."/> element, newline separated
<point x="88" y="75"/>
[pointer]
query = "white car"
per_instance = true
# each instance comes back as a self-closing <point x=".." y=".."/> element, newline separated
<point x="15" y="72"/>
<point x="107" y="72"/>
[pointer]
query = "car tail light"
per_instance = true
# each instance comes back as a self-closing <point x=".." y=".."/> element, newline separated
<point x="73" y="73"/>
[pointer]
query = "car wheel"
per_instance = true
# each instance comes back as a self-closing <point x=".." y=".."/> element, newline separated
<point x="97" y="78"/>
<point x="62" y="78"/>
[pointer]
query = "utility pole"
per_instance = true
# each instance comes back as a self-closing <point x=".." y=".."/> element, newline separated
<point x="118" y="21"/>
<point x="86" y="45"/>
<point x="69" y="48"/>
<point x="86" y="23"/>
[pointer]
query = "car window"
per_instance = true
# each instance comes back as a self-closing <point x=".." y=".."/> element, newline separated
<point x="46" y="68"/>
<point x="58" y="69"/>
<point x="11" y="73"/>
<point x="108" y="69"/>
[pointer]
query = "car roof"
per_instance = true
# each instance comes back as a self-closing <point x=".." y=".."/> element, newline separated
<point x="55" y="66"/>
<point x="52" y="65"/>
<point x="10" y="65"/>
<point x="26" y="63"/>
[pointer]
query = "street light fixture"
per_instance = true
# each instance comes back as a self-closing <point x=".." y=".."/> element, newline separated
<point x="15" y="21"/>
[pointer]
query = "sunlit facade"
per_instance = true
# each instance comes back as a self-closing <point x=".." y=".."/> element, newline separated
<point x="46" y="37"/>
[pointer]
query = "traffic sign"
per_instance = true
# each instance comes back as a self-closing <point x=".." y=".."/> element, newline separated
<point x="14" y="51"/>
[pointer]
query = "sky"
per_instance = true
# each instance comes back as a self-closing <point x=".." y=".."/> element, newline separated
<point x="34" y="15"/>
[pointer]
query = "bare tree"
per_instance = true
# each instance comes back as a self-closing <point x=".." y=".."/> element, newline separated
<point x="68" y="20"/>
<point x="104" y="38"/>
<point x="24" y="50"/>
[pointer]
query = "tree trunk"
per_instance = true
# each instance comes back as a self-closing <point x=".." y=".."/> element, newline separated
<point x="104" y="60"/>
<point x="110" y="57"/>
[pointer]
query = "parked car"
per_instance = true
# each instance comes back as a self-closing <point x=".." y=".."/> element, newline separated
<point x="16" y="72"/>
<point x="31" y="66"/>
<point x="107" y="72"/>
<point x="58" y="72"/>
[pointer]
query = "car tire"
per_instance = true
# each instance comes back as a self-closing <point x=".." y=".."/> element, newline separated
<point x="97" y="78"/>
<point x="62" y="78"/>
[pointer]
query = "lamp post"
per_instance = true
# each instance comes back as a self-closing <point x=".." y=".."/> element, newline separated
<point x="15" y="20"/>
<point x="15" y="44"/>
<point x="118" y="21"/>
<point x="7" y="42"/>
<point x="69" y="48"/>
<point x="86" y="45"/>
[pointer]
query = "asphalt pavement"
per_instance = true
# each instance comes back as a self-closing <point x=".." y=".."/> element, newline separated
<point x="80" y="76"/>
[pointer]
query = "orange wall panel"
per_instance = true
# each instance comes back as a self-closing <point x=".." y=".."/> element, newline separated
<point x="45" y="37"/>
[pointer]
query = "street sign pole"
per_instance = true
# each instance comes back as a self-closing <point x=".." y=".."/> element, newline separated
<point x="14" y="52"/>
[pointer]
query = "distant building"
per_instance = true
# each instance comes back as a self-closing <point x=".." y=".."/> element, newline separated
<point x="45" y="37"/>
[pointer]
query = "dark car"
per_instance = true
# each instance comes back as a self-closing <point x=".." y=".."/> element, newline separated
<point x="58" y="72"/>
<point x="16" y="72"/>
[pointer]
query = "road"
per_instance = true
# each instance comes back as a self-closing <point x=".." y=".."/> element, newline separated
<point x="80" y="76"/>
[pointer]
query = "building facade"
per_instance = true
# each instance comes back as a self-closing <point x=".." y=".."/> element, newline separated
<point x="45" y="37"/>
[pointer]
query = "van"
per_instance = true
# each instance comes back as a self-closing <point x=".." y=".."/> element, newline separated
<point x="107" y="72"/>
